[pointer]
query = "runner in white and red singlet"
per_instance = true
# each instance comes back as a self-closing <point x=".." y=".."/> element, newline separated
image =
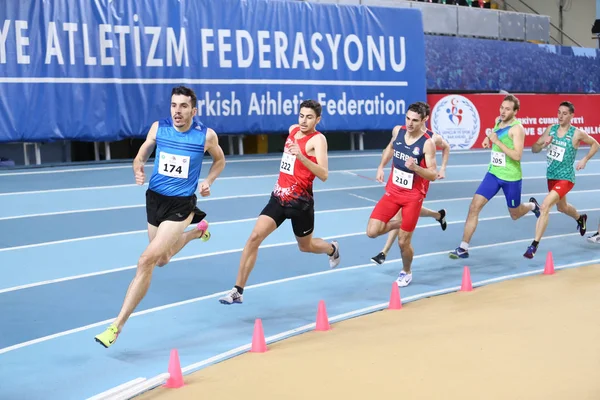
<point x="413" y="167"/>
<point x="304" y="158"/>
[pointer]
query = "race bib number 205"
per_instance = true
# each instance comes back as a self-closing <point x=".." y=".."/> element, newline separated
<point x="173" y="165"/>
<point x="498" y="159"/>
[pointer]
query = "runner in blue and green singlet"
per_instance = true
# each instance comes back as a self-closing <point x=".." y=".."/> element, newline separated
<point x="507" y="140"/>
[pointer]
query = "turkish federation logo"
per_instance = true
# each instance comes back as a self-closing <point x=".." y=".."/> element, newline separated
<point x="457" y="120"/>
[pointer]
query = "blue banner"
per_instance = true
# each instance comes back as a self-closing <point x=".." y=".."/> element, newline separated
<point x="103" y="70"/>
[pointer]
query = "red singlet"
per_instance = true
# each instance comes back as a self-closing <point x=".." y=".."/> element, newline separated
<point x="295" y="182"/>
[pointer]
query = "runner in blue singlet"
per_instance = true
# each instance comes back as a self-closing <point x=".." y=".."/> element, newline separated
<point x="170" y="199"/>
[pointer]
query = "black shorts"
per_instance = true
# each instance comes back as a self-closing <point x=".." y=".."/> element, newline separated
<point x="303" y="218"/>
<point x="160" y="208"/>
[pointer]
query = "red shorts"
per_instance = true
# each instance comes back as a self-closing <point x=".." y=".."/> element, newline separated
<point x="561" y="187"/>
<point x="389" y="204"/>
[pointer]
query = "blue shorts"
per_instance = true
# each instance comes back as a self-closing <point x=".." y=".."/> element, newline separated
<point x="490" y="186"/>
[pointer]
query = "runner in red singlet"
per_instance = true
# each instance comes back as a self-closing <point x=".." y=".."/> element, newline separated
<point x="304" y="157"/>
<point x="413" y="167"/>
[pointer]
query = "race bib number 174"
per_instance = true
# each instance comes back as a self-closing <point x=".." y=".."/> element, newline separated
<point x="174" y="165"/>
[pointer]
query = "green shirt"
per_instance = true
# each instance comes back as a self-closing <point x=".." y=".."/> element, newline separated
<point x="561" y="155"/>
<point x="501" y="165"/>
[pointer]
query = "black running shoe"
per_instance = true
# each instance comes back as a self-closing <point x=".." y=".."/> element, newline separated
<point x="442" y="219"/>
<point x="536" y="210"/>
<point x="582" y="224"/>
<point x="379" y="258"/>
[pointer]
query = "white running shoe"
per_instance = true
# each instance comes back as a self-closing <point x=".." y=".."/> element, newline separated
<point x="595" y="238"/>
<point x="232" y="297"/>
<point x="404" y="279"/>
<point x="335" y="259"/>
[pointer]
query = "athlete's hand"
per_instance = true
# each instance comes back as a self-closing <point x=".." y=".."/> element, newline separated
<point x="492" y="137"/>
<point x="581" y="165"/>
<point x="410" y="163"/>
<point x="204" y="189"/>
<point x="441" y="174"/>
<point x="295" y="149"/>
<point x="547" y="142"/>
<point x="380" y="175"/>
<point x="138" y="171"/>
<point x="486" y="143"/>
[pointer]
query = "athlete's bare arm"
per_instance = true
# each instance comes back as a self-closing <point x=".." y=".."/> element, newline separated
<point x="445" y="146"/>
<point x="518" y="137"/>
<point x="542" y="142"/>
<point x="429" y="173"/>
<point x="581" y="136"/>
<point x="318" y="144"/>
<point x="144" y="153"/>
<point x="387" y="154"/>
<point x="216" y="152"/>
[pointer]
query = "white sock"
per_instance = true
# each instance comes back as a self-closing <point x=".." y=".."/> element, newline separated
<point x="530" y="205"/>
<point x="464" y="245"/>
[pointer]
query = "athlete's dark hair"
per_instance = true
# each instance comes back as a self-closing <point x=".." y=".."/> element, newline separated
<point x="418" y="108"/>
<point x="313" y="105"/>
<point x="569" y="105"/>
<point x="426" y="107"/>
<point x="186" y="92"/>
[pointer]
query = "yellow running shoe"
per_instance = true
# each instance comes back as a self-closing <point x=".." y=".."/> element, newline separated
<point x="108" y="337"/>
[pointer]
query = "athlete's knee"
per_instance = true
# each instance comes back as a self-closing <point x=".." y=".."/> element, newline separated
<point x="148" y="260"/>
<point x="563" y="208"/>
<point x="163" y="260"/>
<point x="404" y="241"/>
<point x="475" y="208"/>
<point x="305" y="246"/>
<point x="514" y="214"/>
<point x="373" y="230"/>
<point x="255" y="239"/>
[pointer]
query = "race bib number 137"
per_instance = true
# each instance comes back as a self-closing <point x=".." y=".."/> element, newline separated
<point x="174" y="165"/>
<point x="556" y="152"/>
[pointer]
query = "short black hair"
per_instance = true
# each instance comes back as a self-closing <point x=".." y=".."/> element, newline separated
<point x="185" y="91"/>
<point x="313" y="105"/>
<point x="426" y="107"/>
<point x="419" y="109"/>
<point x="569" y="105"/>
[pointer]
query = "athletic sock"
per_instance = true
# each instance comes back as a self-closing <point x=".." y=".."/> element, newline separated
<point x="464" y="245"/>
<point x="333" y="252"/>
<point x="530" y="205"/>
<point x="239" y="289"/>
<point x="535" y="243"/>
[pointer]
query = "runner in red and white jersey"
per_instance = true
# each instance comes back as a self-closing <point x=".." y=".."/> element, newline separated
<point x="304" y="158"/>
<point x="413" y="155"/>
